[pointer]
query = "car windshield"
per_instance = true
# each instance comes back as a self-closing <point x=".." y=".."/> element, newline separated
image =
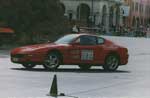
<point x="66" y="39"/>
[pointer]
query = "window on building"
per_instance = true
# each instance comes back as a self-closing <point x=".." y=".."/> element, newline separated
<point x="136" y="6"/>
<point x="140" y="8"/>
<point x="132" y="6"/>
<point x="70" y="16"/>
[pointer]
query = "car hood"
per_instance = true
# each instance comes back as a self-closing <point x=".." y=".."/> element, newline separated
<point x="36" y="47"/>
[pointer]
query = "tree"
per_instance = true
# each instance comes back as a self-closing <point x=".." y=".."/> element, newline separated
<point x="27" y="16"/>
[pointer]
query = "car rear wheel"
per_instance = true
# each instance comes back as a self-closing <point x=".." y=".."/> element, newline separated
<point x="111" y="63"/>
<point x="52" y="61"/>
<point x="85" y="67"/>
<point x="28" y="65"/>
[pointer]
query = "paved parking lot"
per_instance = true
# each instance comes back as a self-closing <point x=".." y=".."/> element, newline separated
<point x="131" y="81"/>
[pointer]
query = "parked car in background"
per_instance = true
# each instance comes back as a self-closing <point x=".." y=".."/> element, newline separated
<point x="84" y="50"/>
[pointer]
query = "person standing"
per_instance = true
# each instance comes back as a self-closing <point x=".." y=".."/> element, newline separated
<point x="148" y="32"/>
<point x="75" y="29"/>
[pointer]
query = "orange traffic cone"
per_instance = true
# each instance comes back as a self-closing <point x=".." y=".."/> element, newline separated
<point x="54" y="91"/>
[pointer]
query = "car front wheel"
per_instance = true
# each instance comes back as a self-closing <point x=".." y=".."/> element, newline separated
<point x="52" y="61"/>
<point x="28" y="65"/>
<point x="111" y="63"/>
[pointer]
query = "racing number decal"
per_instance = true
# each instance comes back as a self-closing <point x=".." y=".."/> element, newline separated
<point x="87" y="55"/>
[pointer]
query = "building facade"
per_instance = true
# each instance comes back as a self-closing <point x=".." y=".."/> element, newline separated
<point x="102" y="13"/>
<point x="139" y="13"/>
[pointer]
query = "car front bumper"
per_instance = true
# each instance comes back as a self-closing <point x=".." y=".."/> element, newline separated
<point x="27" y="58"/>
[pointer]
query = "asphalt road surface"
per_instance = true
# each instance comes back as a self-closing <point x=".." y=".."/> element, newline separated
<point x="130" y="81"/>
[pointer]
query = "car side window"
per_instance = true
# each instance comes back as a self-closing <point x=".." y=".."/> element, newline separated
<point x="100" y="40"/>
<point x="88" y="40"/>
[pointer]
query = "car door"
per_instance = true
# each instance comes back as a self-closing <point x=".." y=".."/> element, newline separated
<point x="73" y="56"/>
<point x="89" y="48"/>
<point x="85" y="49"/>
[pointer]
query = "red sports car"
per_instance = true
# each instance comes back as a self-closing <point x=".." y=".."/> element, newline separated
<point x="84" y="50"/>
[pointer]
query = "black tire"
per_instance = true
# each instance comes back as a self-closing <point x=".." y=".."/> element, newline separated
<point x="28" y="65"/>
<point x="52" y="61"/>
<point x="111" y="63"/>
<point x="84" y="67"/>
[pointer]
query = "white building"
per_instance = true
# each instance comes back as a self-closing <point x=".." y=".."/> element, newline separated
<point x="106" y="13"/>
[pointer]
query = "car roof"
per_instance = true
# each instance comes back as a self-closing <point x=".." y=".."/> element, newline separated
<point x="80" y="34"/>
